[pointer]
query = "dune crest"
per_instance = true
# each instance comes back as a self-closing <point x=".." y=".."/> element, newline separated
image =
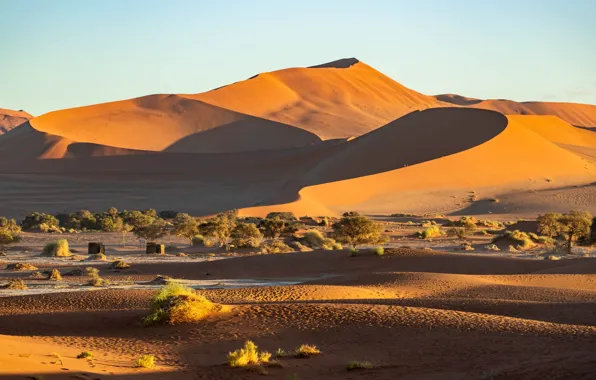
<point x="10" y="119"/>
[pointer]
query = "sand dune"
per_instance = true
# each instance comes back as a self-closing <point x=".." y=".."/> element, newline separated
<point x="581" y="115"/>
<point x="172" y="123"/>
<point x="10" y="119"/>
<point x="335" y="100"/>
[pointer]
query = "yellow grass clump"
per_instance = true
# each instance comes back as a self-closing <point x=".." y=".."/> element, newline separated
<point x="176" y="303"/>
<point x="16" y="284"/>
<point x="59" y="248"/>
<point x="306" y="350"/>
<point x="145" y="361"/>
<point x="248" y="355"/>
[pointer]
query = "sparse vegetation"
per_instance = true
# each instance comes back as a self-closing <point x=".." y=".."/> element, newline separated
<point x="145" y="361"/>
<point x="379" y="251"/>
<point x="119" y="264"/>
<point x="95" y="279"/>
<point x="331" y="245"/>
<point x="16" y="284"/>
<point x="20" y="266"/>
<point x="249" y="355"/>
<point x="176" y="303"/>
<point x="306" y="350"/>
<point x="431" y="232"/>
<point x="354" y="230"/>
<point x="313" y="239"/>
<point x="276" y="246"/>
<point x="59" y="248"/>
<point x="220" y="227"/>
<point x="85" y="355"/>
<point x="246" y="235"/>
<point x="355" y="364"/>
<point x="55" y="275"/>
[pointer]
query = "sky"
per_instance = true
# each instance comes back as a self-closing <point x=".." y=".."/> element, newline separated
<point x="57" y="54"/>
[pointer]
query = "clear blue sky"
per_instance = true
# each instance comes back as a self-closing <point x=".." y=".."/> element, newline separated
<point x="67" y="53"/>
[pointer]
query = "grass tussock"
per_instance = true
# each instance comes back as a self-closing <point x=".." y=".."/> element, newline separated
<point x="379" y="251"/>
<point x="95" y="279"/>
<point x="433" y="231"/>
<point x="355" y="364"/>
<point x="59" y="248"/>
<point x="276" y="246"/>
<point x="20" y="267"/>
<point x="85" y="355"/>
<point x="55" y="275"/>
<point x="331" y="245"/>
<point x="176" y="303"/>
<point x="306" y="350"/>
<point x="249" y="355"/>
<point x="145" y="361"/>
<point x="119" y="264"/>
<point x="16" y="284"/>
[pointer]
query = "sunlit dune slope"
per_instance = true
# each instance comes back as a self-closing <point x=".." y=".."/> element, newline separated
<point x="518" y="158"/>
<point x="10" y="119"/>
<point x="335" y="100"/>
<point x="583" y="115"/>
<point x="172" y="123"/>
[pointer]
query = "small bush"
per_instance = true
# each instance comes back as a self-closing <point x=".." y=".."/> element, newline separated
<point x="20" y="267"/>
<point x="313" y="239"/>
<point x="331" y="245"/>
<point x="145" y="361"/>
<point x="248" y="355"/>
<point x="379" y="251"/>
<point x="467" y="247"/>
<point x="491" y="247"/>
<point x="354" y="365"/>
<point x="517" y="237"/>
<point x="119" y="264"/>
<point x="280" y="353"/>
<point x="55" y="275"/>
<point x="430" y="232"/>
<point x="176" y="303"/>
<point x="16" y="284"/>
<point x="97" y="257"/>
<point x="198" y="241"/>
<point x="276" y="246"/>
<point x="353" y="252"/>
<point x="299" y="247"/>
<point x="306" y="350"/>
<point x="59" y="248"/>
<point x="85" y="355"/>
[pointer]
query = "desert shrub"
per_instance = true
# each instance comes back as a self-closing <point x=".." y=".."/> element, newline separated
<point x="85" y="355"/>
<point x="331" y="245"/>
<point x="185" y="226"/>
<point x="430" y="232"/>
<point x="306" y="350"/>
<point x="248" y="355"/>
<point x="490" y="224"/>
<point x="288" y="216"/>
<point x="16" y="284"/>
<point x="37" y="275"/>
<point x="276" y="246"/>
<point x="299" y="247"/>
<point x="549" y="224"/>
<point x="354" y="230"/>
<point x="313" y="238"/>
<point x="379" y="251"/>
<point x="428" y="223"/>
<point x="98" y="257"/>
<point x="95" y="279"/>
<point x="220" y="227"/>
<point x="59" y="248"/>
<point x="9" y="225"/>
<point x="273" y="228"/>
<point x="55" y="275"/>
<point x="512" y="249"/>
<point x="280" y="353"/>
<point x="176" y="303"/>
<point x="246" y="235"/>
<point x="354" y="365"/>
<point x="151" y="230"/>
<point x="145" y="361"/>
<point x="7" y="238"/>
<point x="34" y="220"/>
<point x="491" y="247"/>
<point x="467" y="247"/>
<point x="119" y="264"/>
<point x="517" y="237"/>
<point x="353" y="252"/>
<point x="198" y="241"/>
<point x="20" y="266"/>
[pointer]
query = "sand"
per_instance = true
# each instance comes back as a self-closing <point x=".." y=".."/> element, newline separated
<point x="10" y="119"/>
<point x="414" y="314"/>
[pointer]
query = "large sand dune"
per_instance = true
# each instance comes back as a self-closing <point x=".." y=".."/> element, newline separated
<point x="10" y="119"/>
<point x="318" y="140"/>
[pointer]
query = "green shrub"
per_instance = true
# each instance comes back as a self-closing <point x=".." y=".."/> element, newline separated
<point x="145" y="361"/>
<point x="246" y="235"/>
<point x="331" y="245"/>
<point x="176" y="303"/>
<point x="354" y="365"/>
<point x="379" y="251"/>
<point x="59" y="248"/>
<point x="85" y="355"/>
<point x="313" y="239"/>
<point x="248" y="355"/>
<point x="430" y="232"/>
<point x="276" y="246"/>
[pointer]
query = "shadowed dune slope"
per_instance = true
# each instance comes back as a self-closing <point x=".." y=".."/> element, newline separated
<point x="516" y="159"/>
<point x="170" y="122"/>
<point x="335" y="100"/>
<point x="10" y="119"/>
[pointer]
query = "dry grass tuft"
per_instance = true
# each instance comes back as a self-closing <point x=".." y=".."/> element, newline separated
<point x="16" y="284"/>
<point x="85" y="355"/>
<point x="354" y="365"/>
<point x="176" y="303"/>
<point x="20" y="266"/>
<point x="248" y="355"/>
<point x="55" y="275"/>
<point x="145" y="361"/>
<point x="59" y="248"/>
<point x="306" y="350"/>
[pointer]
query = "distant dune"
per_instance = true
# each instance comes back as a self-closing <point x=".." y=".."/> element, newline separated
<point x="10" y="119"/>
<point x="319" y="140"/>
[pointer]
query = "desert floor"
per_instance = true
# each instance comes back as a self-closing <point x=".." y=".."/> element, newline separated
<point x="414" y="313"/>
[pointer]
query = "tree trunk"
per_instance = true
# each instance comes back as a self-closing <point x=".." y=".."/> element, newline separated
<point x="569" y="243"/>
